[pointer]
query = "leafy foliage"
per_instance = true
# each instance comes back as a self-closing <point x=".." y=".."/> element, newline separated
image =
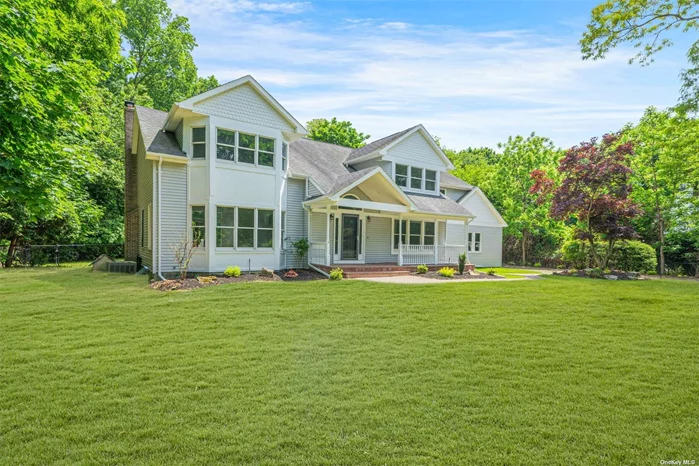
<point x="335" y="132"/>
<point x="447" y="272"/>
<point x="336" y="274"/>
<point x="646" y="24"/>
<point x="593" y="195"/>
<point x="232" y="271"/>
<point x="422" y="269"/>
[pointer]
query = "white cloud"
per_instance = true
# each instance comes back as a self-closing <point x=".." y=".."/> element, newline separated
<point x="468" y="87"/>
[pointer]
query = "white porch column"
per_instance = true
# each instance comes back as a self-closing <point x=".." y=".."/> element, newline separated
<point x="400" y="240"/>
<point x="310" y="236"/>
<point x="466" y="239"/>
<point x="327" y="236"/>
<point x="436" y="241"/>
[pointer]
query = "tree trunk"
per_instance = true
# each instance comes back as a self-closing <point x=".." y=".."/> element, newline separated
<point x="11" y="252"/>
<point x="524" y="247"/>
<point x="661" y="235"/>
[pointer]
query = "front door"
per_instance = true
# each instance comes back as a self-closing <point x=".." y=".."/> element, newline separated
<point x="350" y="237"/>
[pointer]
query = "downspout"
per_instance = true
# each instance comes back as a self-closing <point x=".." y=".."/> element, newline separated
<point x="160" y="171"/>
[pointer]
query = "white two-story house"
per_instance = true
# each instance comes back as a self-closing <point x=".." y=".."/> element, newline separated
<point x="230" y="171"/>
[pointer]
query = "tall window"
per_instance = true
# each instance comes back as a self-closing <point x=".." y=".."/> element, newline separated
<point x="415" y="232"/>
<point x="265" y="152"/>
<point x="246" y="148"/>
<point x="198" y="143"/>
<point x="428" y="236"/>
<point x="416" y="178"/>
<point x="225" y="227"/>
<point x="265" y="228"/>
<point x="396" y="232"/>
<point x="283" y="227"/>
<point x="198" y="225"/>
<point x="285" y="155"/>
<point x="430" y="180"/>
<point x="402" y="175"/>
<point x="246" y="228"/>
<point x="474" y="242"/>
<point x="225" y="144"/>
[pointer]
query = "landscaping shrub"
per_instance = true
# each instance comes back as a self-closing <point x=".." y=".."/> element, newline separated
<point x="594" y="273"/>
<point x="576" y="253"/>
<point x="462" y="263"/>
<point x="232" y="272"/>
<point x="537" y="264"/>
<point x="447" y="272"/>
<point x="491" y="272"/>
<point x="336" y="274"/>
<point x="634" y="256"/>
<point x="422" y="269"/>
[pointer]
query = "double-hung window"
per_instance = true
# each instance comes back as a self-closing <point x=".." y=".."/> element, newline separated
<point x="415" y="178"/>
<point x="397" y="229"/>
<point x="198" y="225"/>
<point x="402" y="175"/>
<point x="474" y="242"/>
<point x="255" y="228"/>
<point x="225" y="144"/>
<point x="285" y="155"/>
<point x="415" y="233"/>
<point x="246" y="228"/>
<point x="265" y="228"/>
<point x="430" y="180"/>
<point x="198" y="143"/>
<point x="428" y="234"/>
<point x="225" y="227"/>
<point x="265" y="152"/>
<point x="246" y="148"/>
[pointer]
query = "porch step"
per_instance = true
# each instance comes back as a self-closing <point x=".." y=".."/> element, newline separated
<point x="371" y="274"/>
<point x="376" y="270"/>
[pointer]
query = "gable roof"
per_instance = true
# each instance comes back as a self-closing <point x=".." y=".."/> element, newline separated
<point x="438" y="205"/>
<point x="447" y="180"/>
<point x="150" y="123"/>
<point x="376" y="145"/>
<point x="381" y="146"/>
<point x="477" y="192"/>
<point x="188" y="104"/>
<point x="319" y="160"/>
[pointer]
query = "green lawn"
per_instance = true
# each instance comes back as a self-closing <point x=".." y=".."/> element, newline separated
<point x="508" y="272"/>
<point x="99" y="369"/>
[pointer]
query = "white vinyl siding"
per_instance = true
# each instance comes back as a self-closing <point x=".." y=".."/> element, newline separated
<point x="386" y="165"/>
<point x="378" y="241"/>
<point x="144" y="178"/>
<point x="416" y="150"/>
<point x="173" y="197"/>
<point x="490" y="254"/>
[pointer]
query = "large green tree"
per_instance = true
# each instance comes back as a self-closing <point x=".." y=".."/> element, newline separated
<point x="335" y="132"/>
<point x="475" y="165"/>
<point x="510" y="190"/>
<point x="665" y="175"/>
<point x="646" y="25"/>
<point x="51" y="53"/>
<point x="158" y="68"/>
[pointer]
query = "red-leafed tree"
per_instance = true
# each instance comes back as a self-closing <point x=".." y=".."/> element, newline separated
<point x="593" y="195"/>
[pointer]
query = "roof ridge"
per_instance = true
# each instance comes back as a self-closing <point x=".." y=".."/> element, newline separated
<point x="328" y="143"/>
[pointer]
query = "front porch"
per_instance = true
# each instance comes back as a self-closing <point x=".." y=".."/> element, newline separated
<point x="378" y="270"/>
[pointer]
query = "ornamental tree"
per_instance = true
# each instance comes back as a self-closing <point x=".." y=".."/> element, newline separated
<point x="593" y="196"/>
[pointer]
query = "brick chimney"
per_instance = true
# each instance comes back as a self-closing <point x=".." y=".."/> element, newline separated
<point x="130" y="188"/>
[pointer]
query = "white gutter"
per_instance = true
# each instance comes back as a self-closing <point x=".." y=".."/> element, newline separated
<point x="160" y="170"/>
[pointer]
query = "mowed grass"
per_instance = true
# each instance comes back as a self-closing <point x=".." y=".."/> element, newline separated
<point x="99" y="369"/>
<point x="508" y="272"/>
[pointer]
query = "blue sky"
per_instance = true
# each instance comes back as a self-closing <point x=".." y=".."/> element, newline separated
<point x="472" y="72"/>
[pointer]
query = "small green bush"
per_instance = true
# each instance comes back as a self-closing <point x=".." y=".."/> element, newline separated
<point x="491" y="272"/>
<point x="634" y="256"/>
<point x="594" y="273"/>
<point x="537" y="264"/>
<point x="336" y="274"/>
<point x="233" y="271"/>
<point x="447" y="272"/>
<point x="462" y="263"/>
<point x="422" y="269"/>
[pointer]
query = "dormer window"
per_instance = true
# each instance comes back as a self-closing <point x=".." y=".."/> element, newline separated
<point x="402" y="175"/>
<point x="415" y="178"/>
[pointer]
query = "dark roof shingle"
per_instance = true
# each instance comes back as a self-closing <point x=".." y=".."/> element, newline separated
<point x="376" y="145"/>
<point x="156" y="140"/>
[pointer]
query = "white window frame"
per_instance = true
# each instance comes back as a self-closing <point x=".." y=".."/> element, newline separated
<point x="406" y="232"/>
<point x="475" y="242"/>
<point x="234" y="146"/>
<point x="204" y="143"/>
<point x="285" y="156"/>
<point x="202" y="245"/>
<point x="257" y="151"/>
<point x="236" y="227"/>
<point x="423" y="179"/>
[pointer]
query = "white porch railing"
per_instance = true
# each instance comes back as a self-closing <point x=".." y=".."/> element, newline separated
<point x="430" y="255"/>
<point x="317" y="253"/>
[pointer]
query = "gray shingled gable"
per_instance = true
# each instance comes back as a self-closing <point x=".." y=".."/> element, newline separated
<point x="376" y="145"/>
<point x="151" y="122"/>
<point x="451" y="181"/>
<point x="438" y="205"/>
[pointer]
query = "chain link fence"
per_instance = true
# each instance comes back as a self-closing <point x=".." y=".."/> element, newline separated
<point x="38" y="255"/>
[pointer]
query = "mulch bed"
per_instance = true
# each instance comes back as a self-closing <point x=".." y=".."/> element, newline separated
<point x="194" y="283"/>
<point x="465" y="276"/>
<point x="612" y="275"/>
